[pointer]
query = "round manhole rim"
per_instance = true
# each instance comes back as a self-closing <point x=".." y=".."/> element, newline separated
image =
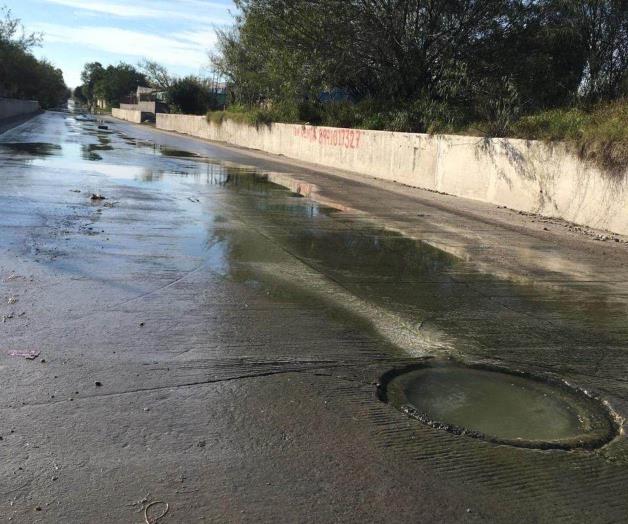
<point x="589" y="441"/>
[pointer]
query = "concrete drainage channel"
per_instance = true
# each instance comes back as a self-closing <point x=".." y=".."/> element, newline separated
<point x="499" y="405"/>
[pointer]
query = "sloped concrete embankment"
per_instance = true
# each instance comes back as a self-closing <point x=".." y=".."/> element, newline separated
<point x="529" y="176"/>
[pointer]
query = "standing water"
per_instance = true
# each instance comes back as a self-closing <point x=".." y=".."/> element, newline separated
<point x="501" y="407"/>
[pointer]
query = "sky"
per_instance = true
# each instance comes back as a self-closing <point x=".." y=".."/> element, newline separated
<point x="175" y="33"/>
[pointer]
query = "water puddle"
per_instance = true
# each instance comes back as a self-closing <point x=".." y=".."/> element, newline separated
<point x="91" y="156"/>
<point x="499" y="406"/>
<point x="177" y="153"/>
<point x="103" y="146"/>
<point x="30" y="148"/>
<point x="90" y="151"/>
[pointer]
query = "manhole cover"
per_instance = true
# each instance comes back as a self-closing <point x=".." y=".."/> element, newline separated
<point x="499" y="406"/>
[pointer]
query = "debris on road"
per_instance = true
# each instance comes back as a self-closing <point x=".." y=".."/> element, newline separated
<point x="28" y="355"/>
<point x="140" y="502"/>
<point x="155" y="519"/>
<point x="97" y="196"/>
<point x="75" y="190"/>
<point x="85" y="118"/>
<point x="12" y="300"/>
<point x="103" y="127"/>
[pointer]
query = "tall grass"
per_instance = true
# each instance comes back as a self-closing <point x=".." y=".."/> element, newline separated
<point x="599" y="134"/>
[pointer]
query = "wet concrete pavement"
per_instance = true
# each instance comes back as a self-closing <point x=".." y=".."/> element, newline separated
<point x="237" y="331"/>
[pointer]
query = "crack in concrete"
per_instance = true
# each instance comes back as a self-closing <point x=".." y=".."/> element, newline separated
<point x="160" y="388"/>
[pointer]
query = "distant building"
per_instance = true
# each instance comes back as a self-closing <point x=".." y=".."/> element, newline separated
<point x="336" y="94"/>
<point x="146" y="94"/>
<point x="146" y="100"/>
<point x="219" y="92"/>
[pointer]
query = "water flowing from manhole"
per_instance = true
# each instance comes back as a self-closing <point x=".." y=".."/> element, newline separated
<point x="500" y="406"/>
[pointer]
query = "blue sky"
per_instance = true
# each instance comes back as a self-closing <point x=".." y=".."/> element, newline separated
<point x="176" y="33"/>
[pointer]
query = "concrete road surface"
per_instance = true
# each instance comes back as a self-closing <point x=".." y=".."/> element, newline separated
<point x="207" y="339"/>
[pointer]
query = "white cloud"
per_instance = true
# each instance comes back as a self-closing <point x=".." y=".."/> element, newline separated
<point x="217" y="13"/>
<point x="166" y="50"/>
<point x="203" y="38"/>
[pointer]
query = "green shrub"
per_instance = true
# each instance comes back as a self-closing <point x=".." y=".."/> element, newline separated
<point x="306" y="112"/>
<point x="557" y="124"/>
<point x="251" y="117"/>
<point x="604" y="137"/>
<point x="216" y="117"/>
<point x="189" y="95"/>
<point x="340" y="114"/>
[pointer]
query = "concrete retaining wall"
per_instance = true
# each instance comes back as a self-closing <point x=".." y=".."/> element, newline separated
<point x="147" y="107"/>
<point x="128" y="114"/>
<point x="11" y="107"/>
<point x="525" y="175"/>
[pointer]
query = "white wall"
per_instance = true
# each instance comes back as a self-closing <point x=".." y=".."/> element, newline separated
<point x="10" y="107"/>
<point x="524" y="175"/>
<point x="127" y="114"/>
<point x="143" y="106"/>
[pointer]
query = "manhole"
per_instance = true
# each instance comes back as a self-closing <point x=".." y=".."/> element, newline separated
<point x="499" y="406"/>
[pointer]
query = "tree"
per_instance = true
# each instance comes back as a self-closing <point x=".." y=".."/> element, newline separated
<point x="21" y="74"/>
<point x="117" y="82"/>
<point x="12" y="31"/>
<point x="462" y="60"/>
<point x="189" y="95"/>
<point x="78" y="95"/>
<point x="110" y="84"/>
<point x="394" y="49"/>
<point x="603" y="26"/>
<point x="92" y="73"/>
<point x="156" y="74"/>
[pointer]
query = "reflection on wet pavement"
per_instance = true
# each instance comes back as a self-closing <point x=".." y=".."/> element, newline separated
<point x="487" y="317"/>
<point x="481" y="316"/>
<point x="29" y="148"/>
<point x="167" y="151"/>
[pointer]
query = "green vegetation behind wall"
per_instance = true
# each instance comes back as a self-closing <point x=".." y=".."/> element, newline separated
<point x="492" y="68"/>
<point x="114" y="84"/>
<point x="190" y="95"/>
<point x="598" y="133"/>
<point x="111" y="84"/>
